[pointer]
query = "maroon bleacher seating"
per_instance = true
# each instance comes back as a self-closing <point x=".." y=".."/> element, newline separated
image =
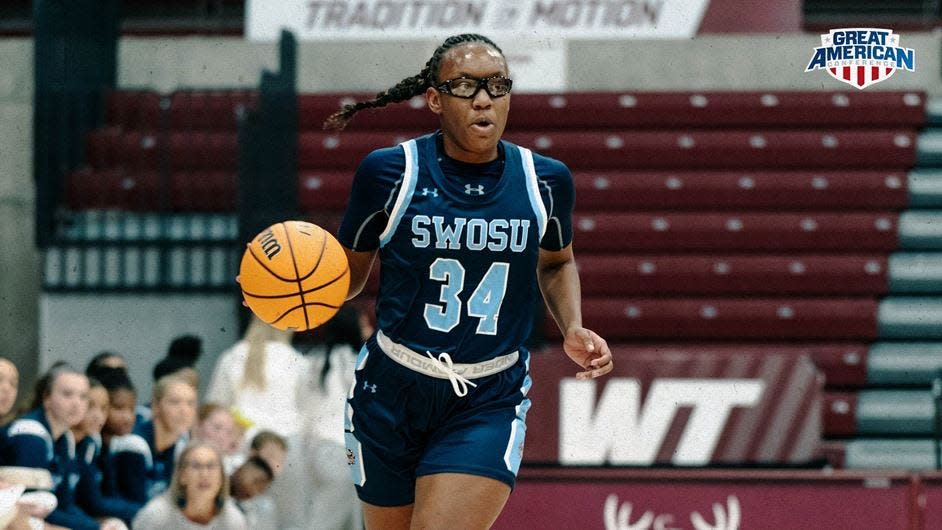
<point x="840" y="414"/>
<point x="623" y="110"/>
<point x="203" y="191"/>
<point x="113" y="188"/>
<point x="732" y="274"/>
<point x="759" y="189"/>
<point x="133" y="109"/>
<point x="728" y="318"/>
<point x="843" y="365"/>
<point x="324" y="190"/>
<point x="208" y="110"/>
<point x="712" y="231"/>
<point x="692" y="149"/>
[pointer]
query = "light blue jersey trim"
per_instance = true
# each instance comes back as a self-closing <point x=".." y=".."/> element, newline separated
<point x="361" y="360"/>
<point x="533" y="189"/>
<point x="513" y="454"/>
<point x="410" y="176"/>
<point x="29" y="427"/>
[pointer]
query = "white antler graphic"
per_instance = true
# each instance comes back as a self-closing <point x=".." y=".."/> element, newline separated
<point x="620" y="521"/>
<point x="726" y="519"/>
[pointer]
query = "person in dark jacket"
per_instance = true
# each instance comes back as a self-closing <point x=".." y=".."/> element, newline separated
<point x="89" y="494"/>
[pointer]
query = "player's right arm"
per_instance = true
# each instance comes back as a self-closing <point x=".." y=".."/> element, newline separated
<point x="372" y="195"/>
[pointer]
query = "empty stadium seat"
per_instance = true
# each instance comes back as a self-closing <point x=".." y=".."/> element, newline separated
<point x="843" y="365"/>
<point x="324" y="190"/>
<point x="889" y="454"/>
<point x="840" y="414"/>
<point x="90" y="188"/>
<point x="133" y="109"/>
<point x="203" y="191"/>
<point x="904" y="363"/>
<point x="209" y="110"/>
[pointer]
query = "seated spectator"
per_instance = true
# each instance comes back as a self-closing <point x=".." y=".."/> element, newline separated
<point x="271" y="448"/>
<point x="197" y="498"/>
<point x="217" y="427"/>
<point x="122" y="400"/>
<point x="258" y="376"/>
<point x="143" y="461"/>
<point x="181" y="358"/>
<point x="24" y="512"/>
<point x="9" y="386"/>
<point x="88" y="450"/>
<point x="180" y="361"/>
<point x="42" y="439"/>
<point x="247" y="485"/>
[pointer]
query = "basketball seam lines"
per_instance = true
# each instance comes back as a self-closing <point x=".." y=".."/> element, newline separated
<point x="304" y="305"/>
<point x="273" y="273"/>
<point x="308" y="291"/>
<point x="319" y="258"/>
<point x="294" y="263"/>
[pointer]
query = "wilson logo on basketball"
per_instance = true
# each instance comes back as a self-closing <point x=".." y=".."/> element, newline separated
<point x="861" y="57"/>
<point x="269" y="244"/>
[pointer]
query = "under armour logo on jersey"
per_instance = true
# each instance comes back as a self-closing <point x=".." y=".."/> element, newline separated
<point x="474" y="190"/>
<point x="430" y="191"/>
<point x="368" y="386"/>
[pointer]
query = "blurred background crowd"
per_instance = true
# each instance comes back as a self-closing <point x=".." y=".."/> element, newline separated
<point x="262" y="450"/>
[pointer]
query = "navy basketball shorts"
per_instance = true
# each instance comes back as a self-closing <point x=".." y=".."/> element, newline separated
<point x="402" y="424"/>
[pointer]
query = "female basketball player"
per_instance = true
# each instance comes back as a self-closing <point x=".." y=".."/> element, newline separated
<point x="461" y="221"/>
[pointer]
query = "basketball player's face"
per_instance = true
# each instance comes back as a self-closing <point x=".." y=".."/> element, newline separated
<point x="471" y="127"/>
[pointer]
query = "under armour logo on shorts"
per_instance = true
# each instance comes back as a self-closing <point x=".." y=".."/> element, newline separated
<point x="430" y="191"/>
<point x="474" y="190"/>
<point x="368" y="386"/>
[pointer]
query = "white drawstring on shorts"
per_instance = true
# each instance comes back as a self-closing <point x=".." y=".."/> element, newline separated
<point x="458" y="382"/>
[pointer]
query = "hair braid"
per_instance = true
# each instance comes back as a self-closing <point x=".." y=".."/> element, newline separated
<point x="408" y="87"/>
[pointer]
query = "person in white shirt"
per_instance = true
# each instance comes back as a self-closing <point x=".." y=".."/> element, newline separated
<point x="198" y="498"/>
<point x="258" y="377"/>
<point x="324" y="393"/>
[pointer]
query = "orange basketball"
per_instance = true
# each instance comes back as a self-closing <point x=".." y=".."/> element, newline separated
<point x="294" y="275"/>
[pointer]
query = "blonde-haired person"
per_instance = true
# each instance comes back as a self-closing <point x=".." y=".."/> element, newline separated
<point x="217" y="426"/>
<point x="198" y="497"/>
<point x="258" y="376"/>
<point x="143" y="461"/>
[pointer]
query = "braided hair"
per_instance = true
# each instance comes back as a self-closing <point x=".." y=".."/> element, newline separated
<point x="408" y="87"/>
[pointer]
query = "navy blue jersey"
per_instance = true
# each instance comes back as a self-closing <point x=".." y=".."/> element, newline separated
<point x="458" y="254"/>
<point x="89" y="493"/>
<point x="28" y="442"/>
<point x="142" y="472"/>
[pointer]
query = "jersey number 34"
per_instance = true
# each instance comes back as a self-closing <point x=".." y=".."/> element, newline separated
<point x="484" y="303"/>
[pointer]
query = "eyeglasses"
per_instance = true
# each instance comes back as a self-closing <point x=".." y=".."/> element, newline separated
<point x="468" y="87"/>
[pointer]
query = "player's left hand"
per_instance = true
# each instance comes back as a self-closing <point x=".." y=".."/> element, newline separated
<point x="589" y="351"/>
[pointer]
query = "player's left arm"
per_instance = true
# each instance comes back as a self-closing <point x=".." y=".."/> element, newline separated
<point x="559" y="281"/>
<point x="557" y="274"/>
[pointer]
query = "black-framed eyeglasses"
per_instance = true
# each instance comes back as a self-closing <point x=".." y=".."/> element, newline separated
<point x="468" y="87"/>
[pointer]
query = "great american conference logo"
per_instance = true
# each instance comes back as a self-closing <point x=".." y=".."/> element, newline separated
<point x="861" y="57"/>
